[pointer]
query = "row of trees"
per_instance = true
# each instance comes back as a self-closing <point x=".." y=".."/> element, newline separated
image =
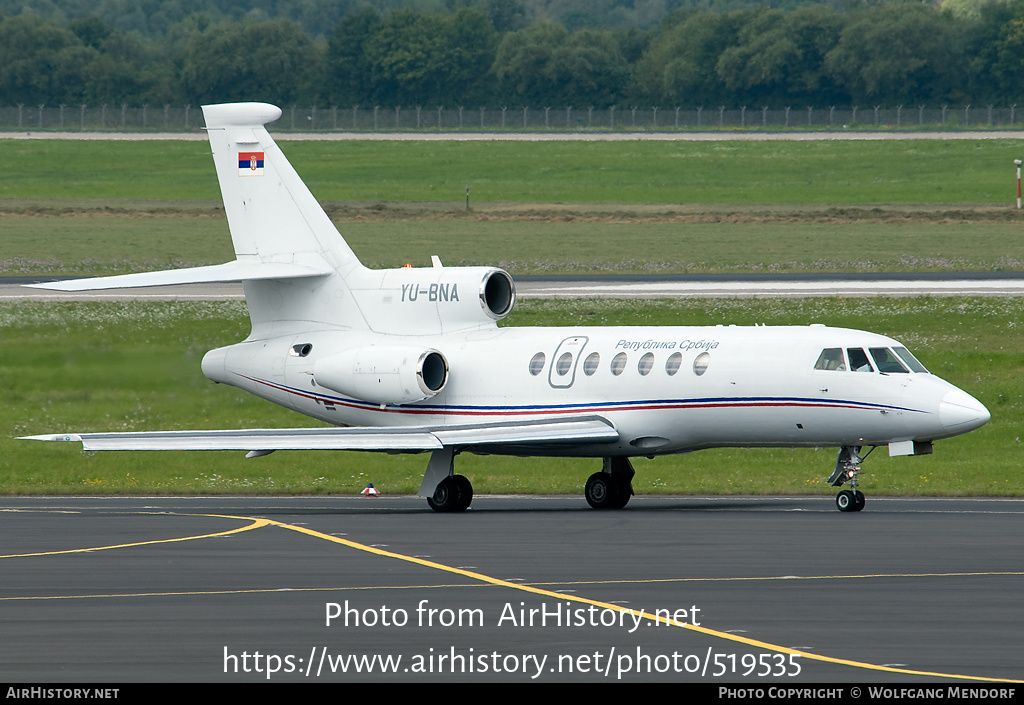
<point x="890" y="54"/>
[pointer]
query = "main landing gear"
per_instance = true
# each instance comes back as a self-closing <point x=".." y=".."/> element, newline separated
<point x="453" y="494"/>
<point x="612" y="487"/>
<point x="847" y="470"/>
<point x="445" y="491"/>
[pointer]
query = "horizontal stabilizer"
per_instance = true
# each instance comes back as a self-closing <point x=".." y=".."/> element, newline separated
<point x="229" y="272"/>
<point x="420" y="438"/>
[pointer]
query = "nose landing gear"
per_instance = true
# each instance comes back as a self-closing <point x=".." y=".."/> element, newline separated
<point x="847" y="470"/>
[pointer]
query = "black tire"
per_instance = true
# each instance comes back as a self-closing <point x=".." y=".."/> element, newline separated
<point x="623" y="490"/>
<point x="846" y="501"/>
<point x="858" y="501"/>
<point x="448" y="495"/>
<point x="602" y="492"/>
<point x="465" y="493"/>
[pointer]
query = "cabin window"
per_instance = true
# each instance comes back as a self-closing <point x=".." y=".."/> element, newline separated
<point x="646" y="363"/>
<point x="831" y="359"/>
<point x="700" y="365"/>
<point x="672" y="364"/>
<point x="591" y="363"/>
<point x="564" y="364"/>
<point x="909" y="358"/>
<point x="618" y="364"/>
<point x="537" y="364"/>
<point x="886" y="360"/>
<point x="859" y="360"/>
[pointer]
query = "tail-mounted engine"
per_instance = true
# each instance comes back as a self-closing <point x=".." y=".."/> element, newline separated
<point x="384" y="374"/>
<point x="423" y="300"/>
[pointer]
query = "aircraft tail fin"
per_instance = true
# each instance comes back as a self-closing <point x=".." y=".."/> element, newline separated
<point x="272" y="215"/>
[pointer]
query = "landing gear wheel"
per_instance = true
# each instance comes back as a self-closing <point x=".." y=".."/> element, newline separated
<point x="605" y="491"/>
<point x="453" y="494"/>
<point x="623" y="491"/>
<point x="465" y="493"/>
<point x="858" y="500"/>
<point x="850" y="501"/>
<point x="602" y="492"/>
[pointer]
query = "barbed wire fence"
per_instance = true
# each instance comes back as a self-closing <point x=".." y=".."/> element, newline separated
<point x="169" y="118"/>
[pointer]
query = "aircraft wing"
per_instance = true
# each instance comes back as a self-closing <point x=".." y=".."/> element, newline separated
<point x="588" y="429"/>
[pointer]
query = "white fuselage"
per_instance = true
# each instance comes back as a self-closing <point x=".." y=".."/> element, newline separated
<point x="665" y="389"/>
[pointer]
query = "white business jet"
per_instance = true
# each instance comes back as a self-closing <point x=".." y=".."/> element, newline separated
<point x="412" y="359"/>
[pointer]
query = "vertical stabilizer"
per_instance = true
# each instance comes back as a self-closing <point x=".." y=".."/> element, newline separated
<point x="271" y="213"/>
<point x="274" y="219"/>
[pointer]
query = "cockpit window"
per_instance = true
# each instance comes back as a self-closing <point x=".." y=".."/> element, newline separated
<point x="909" y="358"/>
<point x="886" y="361"/>
<point x="859" y="360"/>
<point x="831" y="359"/>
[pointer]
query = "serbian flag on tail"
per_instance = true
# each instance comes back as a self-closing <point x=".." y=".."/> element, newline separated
<point x="250" y="163"/>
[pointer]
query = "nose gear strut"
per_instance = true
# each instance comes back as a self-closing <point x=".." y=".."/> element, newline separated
<point x="846" y="472"/>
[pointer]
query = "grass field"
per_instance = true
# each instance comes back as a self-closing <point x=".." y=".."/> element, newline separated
<point x="76" y="208"/>
<point x="90" y="208"/>
<point x="814" y="172"/>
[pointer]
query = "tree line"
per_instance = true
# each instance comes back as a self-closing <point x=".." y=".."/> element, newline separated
<point x="486" y="53"/>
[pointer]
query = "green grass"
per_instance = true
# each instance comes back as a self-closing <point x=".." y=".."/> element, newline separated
<point x="70" y="246"/>
<point x="816" y="172"/>
<point x="97" y="367"/>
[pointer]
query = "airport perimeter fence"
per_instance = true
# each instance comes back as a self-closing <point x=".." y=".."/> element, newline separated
<point x="519" y="119"/>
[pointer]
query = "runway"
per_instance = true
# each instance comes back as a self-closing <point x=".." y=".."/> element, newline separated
<point x="627" y="286"/>
<point x="764" y="591"/>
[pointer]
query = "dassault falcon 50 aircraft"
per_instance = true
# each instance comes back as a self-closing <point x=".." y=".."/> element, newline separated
<point x="412" y="359"/>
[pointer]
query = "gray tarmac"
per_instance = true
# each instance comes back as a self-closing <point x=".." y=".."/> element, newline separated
<point x="223" y="589"/>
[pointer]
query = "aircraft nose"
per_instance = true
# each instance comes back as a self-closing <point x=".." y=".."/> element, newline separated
<point x="960" y="412"/>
